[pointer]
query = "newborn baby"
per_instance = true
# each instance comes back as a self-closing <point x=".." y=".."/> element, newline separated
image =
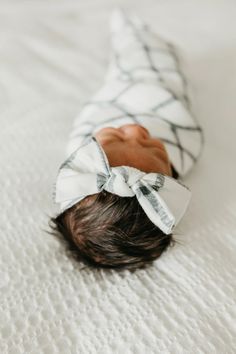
<point x="119" y="188"/>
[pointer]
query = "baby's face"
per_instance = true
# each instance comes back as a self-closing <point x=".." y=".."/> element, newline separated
<point x="132" y="145"/>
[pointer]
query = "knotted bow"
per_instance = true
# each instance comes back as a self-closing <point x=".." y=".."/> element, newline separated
<point x="87" y="171"/>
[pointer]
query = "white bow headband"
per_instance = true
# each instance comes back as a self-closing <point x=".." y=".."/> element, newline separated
<point x="87" y="171"/>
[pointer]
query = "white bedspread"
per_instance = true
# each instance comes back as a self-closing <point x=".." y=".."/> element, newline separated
<point x="53" y="56"/>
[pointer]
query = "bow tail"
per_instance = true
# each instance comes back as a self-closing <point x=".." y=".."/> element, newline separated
<point x="155" y="207"/>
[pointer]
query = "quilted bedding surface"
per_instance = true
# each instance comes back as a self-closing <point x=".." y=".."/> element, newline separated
<point x="53" y="56"/>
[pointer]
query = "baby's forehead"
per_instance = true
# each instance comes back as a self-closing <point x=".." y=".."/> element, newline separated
<point x="144" y="158"/>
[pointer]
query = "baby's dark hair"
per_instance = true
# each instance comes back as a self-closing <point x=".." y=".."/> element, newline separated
<point x="105" y="230"/>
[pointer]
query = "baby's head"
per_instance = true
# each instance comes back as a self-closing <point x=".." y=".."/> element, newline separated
<point x="107" y="230"/>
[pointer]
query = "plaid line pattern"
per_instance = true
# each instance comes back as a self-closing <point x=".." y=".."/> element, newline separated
<point x="145" y="85"/>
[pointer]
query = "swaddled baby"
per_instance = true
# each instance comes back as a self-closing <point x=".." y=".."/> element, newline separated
<point x="119" y="188"/>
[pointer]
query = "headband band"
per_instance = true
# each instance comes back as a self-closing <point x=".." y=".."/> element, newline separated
<point x="87" y="171"/>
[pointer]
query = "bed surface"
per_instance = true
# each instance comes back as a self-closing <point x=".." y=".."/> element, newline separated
<point x="53" y="56"/>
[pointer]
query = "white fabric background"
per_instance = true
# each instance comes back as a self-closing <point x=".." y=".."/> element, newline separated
<point x="53" y="56"/>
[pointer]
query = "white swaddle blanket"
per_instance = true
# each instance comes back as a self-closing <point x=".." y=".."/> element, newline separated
<point x="154" y="97"/>
<point x="143" y="85"/>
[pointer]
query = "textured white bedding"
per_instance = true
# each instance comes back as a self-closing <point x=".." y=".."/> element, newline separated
<point x="53" y="56"/>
